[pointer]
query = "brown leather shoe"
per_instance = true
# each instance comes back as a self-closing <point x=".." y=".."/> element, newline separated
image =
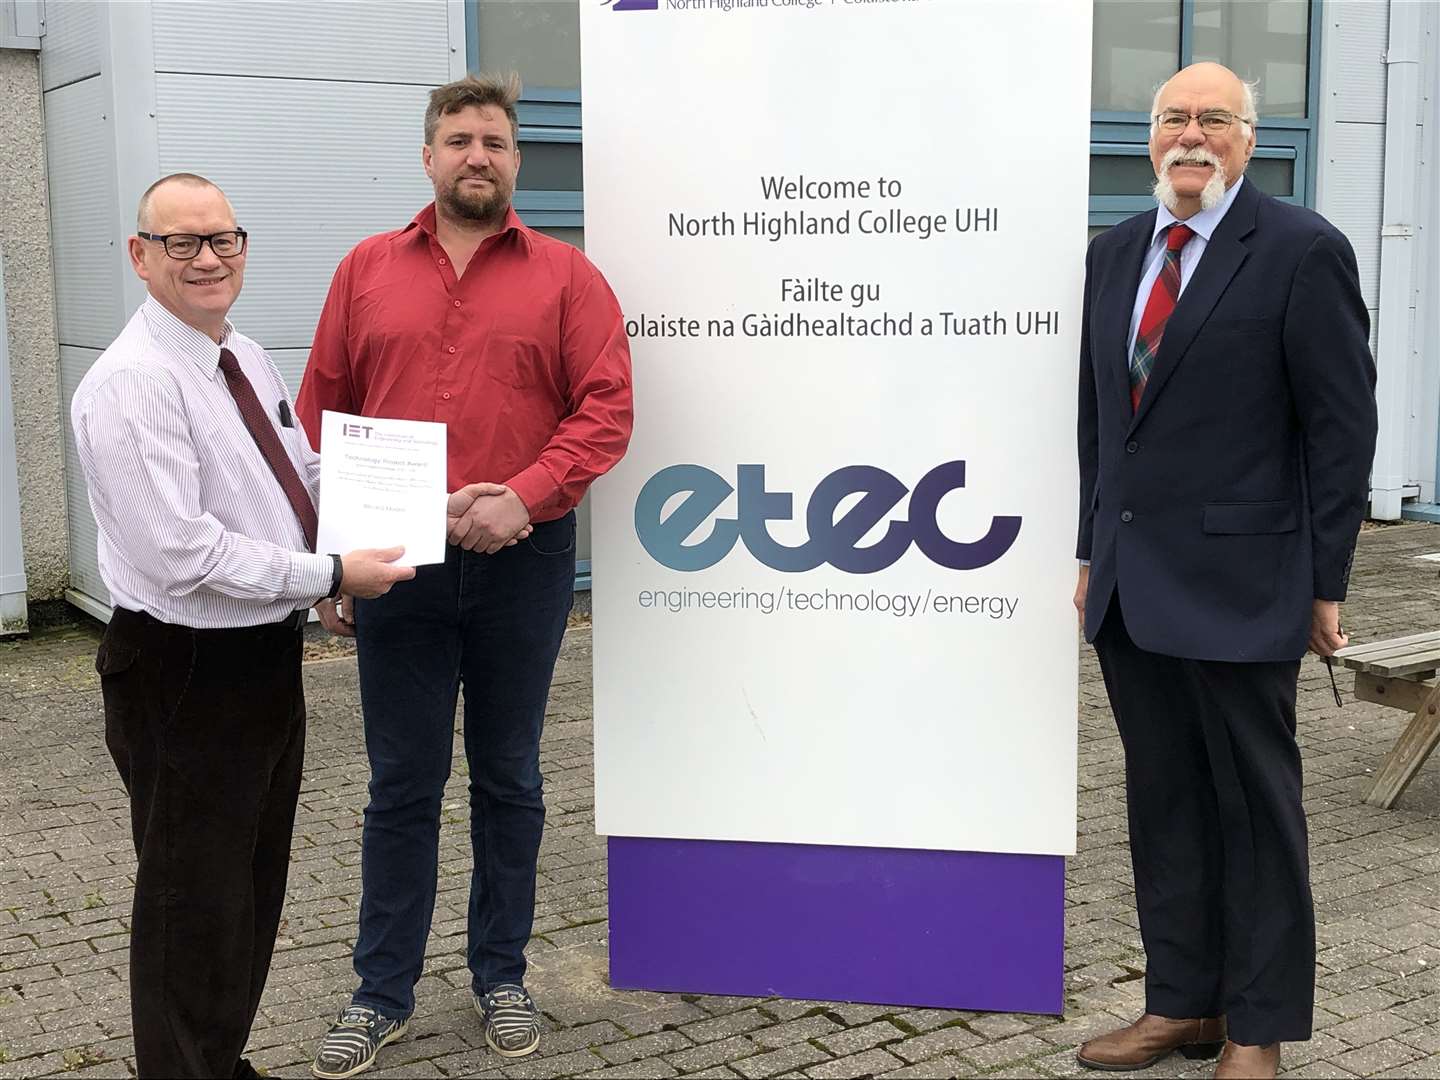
<point x="1248" y="1062"/>
<point x="1151" y="1038"/>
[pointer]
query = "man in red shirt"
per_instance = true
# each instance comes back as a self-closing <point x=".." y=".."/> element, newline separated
<point x="516" y="343"/>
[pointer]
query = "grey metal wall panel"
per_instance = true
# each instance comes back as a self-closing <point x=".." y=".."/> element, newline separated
<point x="1355" y="161"/>
<point x="84" y="558"/>
<point x="1423" y="441"/>
<point x="88" y="263"/>
<point x="370" y="42"/>
<point x="70" y="49"/>
<point x="311" y="167"/>
<point x="1361" y="33"/>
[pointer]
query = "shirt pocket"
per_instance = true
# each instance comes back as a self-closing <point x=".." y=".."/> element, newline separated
<point x="518" y="360"/>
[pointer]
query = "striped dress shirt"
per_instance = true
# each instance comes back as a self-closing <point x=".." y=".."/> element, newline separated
<point x="194" y="527"/>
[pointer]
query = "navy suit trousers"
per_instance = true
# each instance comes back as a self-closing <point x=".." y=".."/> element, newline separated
<point x="1217" y="836"/>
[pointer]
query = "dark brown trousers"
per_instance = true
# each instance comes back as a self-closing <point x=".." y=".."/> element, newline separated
<point x="207" y="730"/>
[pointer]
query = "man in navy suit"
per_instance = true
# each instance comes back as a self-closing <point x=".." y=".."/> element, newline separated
<point x="1227" y="425"/>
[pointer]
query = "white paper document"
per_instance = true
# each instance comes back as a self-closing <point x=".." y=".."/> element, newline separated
<point x="382" y="483"/>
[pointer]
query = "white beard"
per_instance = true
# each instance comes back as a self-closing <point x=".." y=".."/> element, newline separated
<point x="1210" y="195"/>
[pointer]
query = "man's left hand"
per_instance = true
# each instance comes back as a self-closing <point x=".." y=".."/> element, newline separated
<point x="1325" y="633"/>
<point x="496" y="518"/>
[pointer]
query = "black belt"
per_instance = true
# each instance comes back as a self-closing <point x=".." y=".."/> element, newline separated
<point x="296" y="620"/>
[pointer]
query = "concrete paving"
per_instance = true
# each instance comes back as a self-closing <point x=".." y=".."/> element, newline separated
<point x="66" y="880"/>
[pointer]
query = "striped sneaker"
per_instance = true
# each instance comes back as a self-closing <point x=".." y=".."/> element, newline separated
<point x="354" y="1040"/>
<point x="512" y="1023"/>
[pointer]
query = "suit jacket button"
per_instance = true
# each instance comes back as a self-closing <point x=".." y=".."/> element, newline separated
<point x="1131" y="447"/>
<point x="1126" y="516"/>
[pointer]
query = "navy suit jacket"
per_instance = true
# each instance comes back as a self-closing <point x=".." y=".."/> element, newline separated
<point x="1230" y="500"/>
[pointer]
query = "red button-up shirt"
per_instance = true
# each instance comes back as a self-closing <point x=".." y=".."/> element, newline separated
<point x="524" y="358"/>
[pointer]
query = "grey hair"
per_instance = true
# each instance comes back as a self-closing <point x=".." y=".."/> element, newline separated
<point x="1249" y="105"/>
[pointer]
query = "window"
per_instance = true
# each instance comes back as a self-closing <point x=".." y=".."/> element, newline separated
<point x="538" y="38"/>
<point x="541" y="40"/>
<point x="1138" y="44"/>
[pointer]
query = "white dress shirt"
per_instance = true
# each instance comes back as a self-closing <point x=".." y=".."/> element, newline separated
<point x="1203" y="224"/>
<point x="194" y="527"/>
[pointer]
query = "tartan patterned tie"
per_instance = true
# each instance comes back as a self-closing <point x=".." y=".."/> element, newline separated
<point x="1157" y="313"/>
<point x="263" y="432"/>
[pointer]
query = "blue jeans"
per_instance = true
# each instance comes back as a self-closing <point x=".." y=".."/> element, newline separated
<point x="492" y="625"/>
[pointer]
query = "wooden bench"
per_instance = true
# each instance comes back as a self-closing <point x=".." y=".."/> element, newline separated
<point x="1400" y="673"/>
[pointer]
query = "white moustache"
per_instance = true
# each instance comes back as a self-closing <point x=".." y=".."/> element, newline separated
<point x="1179" y="155"/>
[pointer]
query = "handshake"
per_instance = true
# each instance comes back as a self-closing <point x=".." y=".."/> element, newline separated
<point x="486" y="518"/>
<point x="478" y="517"/>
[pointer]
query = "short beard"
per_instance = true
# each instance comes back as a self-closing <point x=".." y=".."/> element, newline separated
<point x="1210" y="195"/>
<point x="482" y="210"/>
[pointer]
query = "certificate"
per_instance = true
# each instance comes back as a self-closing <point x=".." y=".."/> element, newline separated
<point x="382" y="484"/>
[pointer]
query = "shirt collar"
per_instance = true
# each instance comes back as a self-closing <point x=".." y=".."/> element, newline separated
<point x="183" y="341"/>
<point x="1202" y="224"/>
<point x="425" y="222"/>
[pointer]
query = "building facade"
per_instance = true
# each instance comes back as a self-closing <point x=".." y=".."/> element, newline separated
<point x="309" y="115"/>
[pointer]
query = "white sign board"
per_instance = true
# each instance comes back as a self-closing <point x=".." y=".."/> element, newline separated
<point x="833" y="576"/>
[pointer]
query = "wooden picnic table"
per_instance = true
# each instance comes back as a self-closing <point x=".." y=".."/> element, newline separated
<point x="1400" y="673"/>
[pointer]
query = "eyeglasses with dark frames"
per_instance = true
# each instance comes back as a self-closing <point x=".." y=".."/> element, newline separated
<point x="188" y="245"/>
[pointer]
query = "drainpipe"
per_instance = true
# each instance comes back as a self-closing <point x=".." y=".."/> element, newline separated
<point x="13" y="607"/>
<point x="1397" y="258"/>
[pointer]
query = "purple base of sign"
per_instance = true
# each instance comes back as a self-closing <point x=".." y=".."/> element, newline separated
<point x="943" y="929"/>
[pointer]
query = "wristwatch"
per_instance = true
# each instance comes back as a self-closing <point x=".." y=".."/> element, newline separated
<point x="337" y="574"/>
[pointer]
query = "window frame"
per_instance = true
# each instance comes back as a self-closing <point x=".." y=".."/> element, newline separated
<point x="1285" y="138"/>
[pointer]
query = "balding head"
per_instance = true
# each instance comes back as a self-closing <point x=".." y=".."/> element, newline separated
<point x="1211" y="82"/>
<point x="145" y="213"/>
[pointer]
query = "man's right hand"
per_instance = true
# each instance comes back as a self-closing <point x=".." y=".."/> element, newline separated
<point x="460" y="508"/>
<point x="369" y="572"/>
<point x="1082" y="586"/>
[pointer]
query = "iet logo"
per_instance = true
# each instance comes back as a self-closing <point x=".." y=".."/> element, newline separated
<point x="830" y="540"/>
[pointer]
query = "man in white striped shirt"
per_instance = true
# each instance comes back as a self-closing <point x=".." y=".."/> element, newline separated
<point x="203" y="486"/>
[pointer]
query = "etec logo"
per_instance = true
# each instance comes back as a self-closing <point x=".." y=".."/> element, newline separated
<point x="830" y="540"/>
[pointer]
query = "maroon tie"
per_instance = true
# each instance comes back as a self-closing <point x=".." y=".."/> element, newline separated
<point x="263" y="432"/>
